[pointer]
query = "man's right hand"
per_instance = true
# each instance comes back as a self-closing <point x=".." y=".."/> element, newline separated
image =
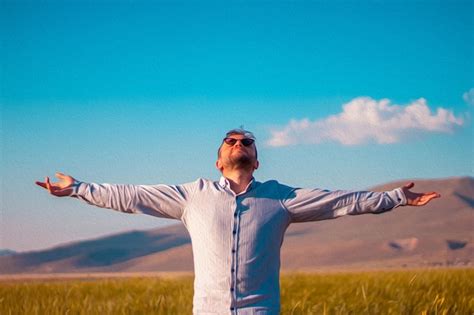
<point x="60" y="189"/>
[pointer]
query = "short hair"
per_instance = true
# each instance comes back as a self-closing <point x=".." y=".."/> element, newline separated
<point x="238" y="131"/>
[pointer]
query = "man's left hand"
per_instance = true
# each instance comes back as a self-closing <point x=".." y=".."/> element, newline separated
<point x="418" y="199"/>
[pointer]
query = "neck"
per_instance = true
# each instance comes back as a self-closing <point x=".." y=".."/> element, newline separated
<point x="238" y="179"/>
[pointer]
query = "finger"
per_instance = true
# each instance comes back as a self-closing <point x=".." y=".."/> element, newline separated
<point x="427" y="198"/>
<point x="48" y="185"/>
<point x="60" y="175"/>
<point x="41" y="184"/>
<point x="431" y="195"/>
<point x="409" y="185"/>
<point x="64" y="180"/>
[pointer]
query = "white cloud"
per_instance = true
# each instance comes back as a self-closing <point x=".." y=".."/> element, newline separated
<point x="469" y="97"/>
<point x="365" y="120"/>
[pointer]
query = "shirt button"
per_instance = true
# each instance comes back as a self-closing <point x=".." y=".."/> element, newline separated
<point x="232" y="289"/>
<point x="231" y="308"/>
<point x="235" y="214"/>
<point x="234" y="231"/>
<point x="233" y="250"/>
<point x="232" y="270"/>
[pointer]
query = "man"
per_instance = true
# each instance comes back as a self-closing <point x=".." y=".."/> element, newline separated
<point x="236" y="224"/>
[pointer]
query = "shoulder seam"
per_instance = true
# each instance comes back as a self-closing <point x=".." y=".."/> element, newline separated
<point x="191" y="198"/>
<point x="280" y="199"/>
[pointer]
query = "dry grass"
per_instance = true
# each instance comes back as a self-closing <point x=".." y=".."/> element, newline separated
<point x="442" y="291"/>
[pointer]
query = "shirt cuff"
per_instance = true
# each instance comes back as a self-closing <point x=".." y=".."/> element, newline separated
<point x="75" y="188"/>
<point x="399" y="197"/>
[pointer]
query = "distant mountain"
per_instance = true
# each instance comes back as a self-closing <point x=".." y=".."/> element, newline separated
<point x="438" y="234"/>
<point x="6" y="252"/>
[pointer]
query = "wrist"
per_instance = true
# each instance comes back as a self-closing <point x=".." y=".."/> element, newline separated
<point x="75" y="188"/>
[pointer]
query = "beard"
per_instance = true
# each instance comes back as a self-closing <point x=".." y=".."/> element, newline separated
<point x="240" y="161"/>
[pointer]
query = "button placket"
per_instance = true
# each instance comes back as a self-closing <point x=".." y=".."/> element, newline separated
<point x="234" y="252"/>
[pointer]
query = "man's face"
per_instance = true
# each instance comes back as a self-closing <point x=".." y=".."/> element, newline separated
<point x="237" y="155"/>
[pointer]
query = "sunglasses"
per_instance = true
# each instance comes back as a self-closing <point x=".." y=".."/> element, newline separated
<point x="246" y="141"/>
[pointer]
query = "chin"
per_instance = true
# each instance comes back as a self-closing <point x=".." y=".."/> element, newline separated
<point x="242" y="161"/>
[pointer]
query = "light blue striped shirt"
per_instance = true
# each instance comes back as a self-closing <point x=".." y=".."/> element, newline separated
<point x="236" y="238"/>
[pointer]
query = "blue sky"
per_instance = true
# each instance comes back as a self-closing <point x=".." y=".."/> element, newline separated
<point x="355" y="93"/>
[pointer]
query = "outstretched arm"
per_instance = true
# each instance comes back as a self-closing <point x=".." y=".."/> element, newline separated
<point x="317" y="204"/>
<point x="166" y="201"/>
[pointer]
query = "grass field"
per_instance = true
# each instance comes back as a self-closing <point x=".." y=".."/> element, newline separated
<point x="442" y="291"/>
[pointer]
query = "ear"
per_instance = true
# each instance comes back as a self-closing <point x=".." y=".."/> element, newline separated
<point x="256" y="165"/>
<point x="219" y="165"/>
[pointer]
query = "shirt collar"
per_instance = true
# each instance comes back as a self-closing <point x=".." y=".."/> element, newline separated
<point x="224" y="182"/>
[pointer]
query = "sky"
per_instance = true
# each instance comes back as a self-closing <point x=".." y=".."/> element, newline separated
<point x="340" y="95"/>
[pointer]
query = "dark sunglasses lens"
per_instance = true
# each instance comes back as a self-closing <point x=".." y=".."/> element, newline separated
<point x="230" y="141"/>
<point x="247" y="142"/>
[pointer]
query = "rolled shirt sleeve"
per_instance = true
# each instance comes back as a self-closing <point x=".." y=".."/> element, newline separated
<point x="317" y="204"/>
<point x="167" y="201"/>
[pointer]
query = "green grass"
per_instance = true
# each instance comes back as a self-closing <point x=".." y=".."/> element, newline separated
<point x="402" y="292"/>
